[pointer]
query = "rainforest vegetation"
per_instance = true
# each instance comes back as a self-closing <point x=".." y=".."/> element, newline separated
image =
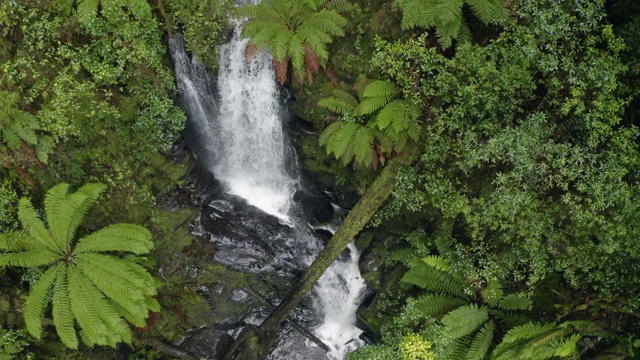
<point x="494" y="147"/>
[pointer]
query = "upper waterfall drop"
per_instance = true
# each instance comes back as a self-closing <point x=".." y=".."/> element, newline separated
<point x="252" y="159"/>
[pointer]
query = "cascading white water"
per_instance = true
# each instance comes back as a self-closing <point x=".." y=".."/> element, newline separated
<point x="251" y="141"/>
<point x="247" y="151"/>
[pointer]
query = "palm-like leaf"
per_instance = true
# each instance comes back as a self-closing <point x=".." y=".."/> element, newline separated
<point x="446" y="16"/>
<point x="38" y="300"/>
<point x="465" y="320"/>
<point x="94" y="289"/>
<point x="119" y="237"/>
<point x="291" y="29"/>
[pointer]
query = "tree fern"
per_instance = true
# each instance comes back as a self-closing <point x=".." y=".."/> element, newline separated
<point x="340" y="102"/>
<point x="294" y="32"/>
<point x="119" y="237"/>
<point x="482" y="342"/>
<point x="376" y="95"/>
<point x="446" y="16"/>
<point x="92" y="287"/>
<point x="436" y="304"/>
<point x="363" y="146"/>
<point x="62" y="313"/>
<point x="38" y="300"/>
<point x="434" y="280"/>
<point x="465" y="320"/>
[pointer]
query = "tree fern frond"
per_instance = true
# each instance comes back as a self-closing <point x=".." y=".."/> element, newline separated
<point x="87" y="9"/>
<point x="434" y="280"/>
<point x="38" y="300"/>
<point x="14" y="241"/>
<point x="363" y="146"/>
<point x="279" y="45"/>
<point x="457" y="349"/>
<point x="326" y="21"/>
<point x="34" y="225"/>
<point x="117" y="328"/>
<point x="62" y="313"/>
<point x="85" y="310"/>
<point x="465" y="320"/>
<point x="135" y="318"/>
<point x="340" y="6"/>
<point x="29" y="259"/>
<point x="341" y="102"/>
<point x="568" y="347"/>
<point x="436" y="304"/>
<point x="482" y="342"/>
<point x="118" y="237"/>
<point x="329" y="131"/>
<point x="398" y="114"/>
<point x="152" y="304"/>
<point x="527" y="331"/>
<point x="65" y="212"/>
<point x="464" y="33"/>
<point x="437" y="262"/>
<point x="380" y="88"/>
<point x="515" y="302"/>
<point x="112" y="276"/>
<point x="296" y="52"/>
<point x="340" y="141"/>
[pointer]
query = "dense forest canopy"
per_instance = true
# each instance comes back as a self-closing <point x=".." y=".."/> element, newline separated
<point x="508" y="131"/>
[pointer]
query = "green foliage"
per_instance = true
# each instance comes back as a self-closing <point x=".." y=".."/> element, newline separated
<point x="447" y="18"/>
<point x="95" y="290"/>
<point x="12" y="343"/>
<point x="546" y="177"/>
<point x="393" y="122"/>
<point x="539" y="342"/>
<point x="202" y="23"/>
<point x="18" y="127"/>
<point x="296" y="33"/>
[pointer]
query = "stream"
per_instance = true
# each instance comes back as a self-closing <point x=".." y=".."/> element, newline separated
<point x="236" y="125"/>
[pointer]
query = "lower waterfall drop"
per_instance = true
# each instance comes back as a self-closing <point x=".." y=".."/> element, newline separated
<point x="246" y="149"/>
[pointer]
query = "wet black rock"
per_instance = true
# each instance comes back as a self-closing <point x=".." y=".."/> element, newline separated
<point x="317" y="208"/>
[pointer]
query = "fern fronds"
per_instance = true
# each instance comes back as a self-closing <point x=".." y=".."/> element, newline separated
<point x="515" y="302"/>
<point x="340" y="140"/>
<point x="62" y="313"/>
<point x="17" y="241"/>
<point x="363" y="146"/>
<point x="527" y="331"/>
<point x="437" y="262"/>
<point x="465" y="320"/>
<point x="34" y="225"/>
<point x="119" y="237"/>
<point x="85" y="311"/>
<point x="38" y="300"/>
<point x="568" y="347"/>
<point x="376" y="95"/>
<point x="340" y="6"/>
<point x="341" y="102"/>
<point x="435" y="304"/>
<point x="482" y="342"/>
<point x="87" y="9"/>
<point x="29" y="259"/>
<point x="434" y="280"/>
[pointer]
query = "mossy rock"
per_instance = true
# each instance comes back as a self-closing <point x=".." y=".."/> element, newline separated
<point x="364" y="241"/>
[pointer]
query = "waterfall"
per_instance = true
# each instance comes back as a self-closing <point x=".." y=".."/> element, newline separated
<point x="246" y="149"/>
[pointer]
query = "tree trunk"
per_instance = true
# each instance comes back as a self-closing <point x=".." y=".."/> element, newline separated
<point x="358" y="217"/>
